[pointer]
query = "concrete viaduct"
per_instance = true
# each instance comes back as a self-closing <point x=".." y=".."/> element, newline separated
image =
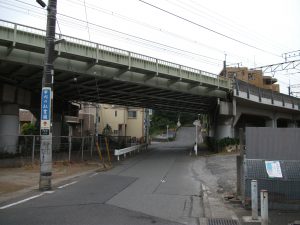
<point x="91" y="72"/>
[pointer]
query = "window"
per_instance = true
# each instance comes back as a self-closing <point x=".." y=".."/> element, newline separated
<point x="251" y="76"/>
<point x="132" y="114"/>
<point x="116" y="132"/>
<point x="116" y="113"/>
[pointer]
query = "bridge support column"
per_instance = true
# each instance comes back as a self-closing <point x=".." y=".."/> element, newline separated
<point x="226" y="119"/>
<point x="56" y="132"/>
<point x="225" y="127"/>
<point x="9" y="127"/>
<point x="271" y="123"/>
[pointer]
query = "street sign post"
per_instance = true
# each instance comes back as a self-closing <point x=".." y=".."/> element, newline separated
<point x="47" y="98"/>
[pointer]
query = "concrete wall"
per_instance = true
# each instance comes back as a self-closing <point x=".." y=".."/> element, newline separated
<point x="9" y="127"/>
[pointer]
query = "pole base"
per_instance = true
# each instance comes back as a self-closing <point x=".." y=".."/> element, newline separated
<point x="249" y="219"/>
<point x="45" y="183"/>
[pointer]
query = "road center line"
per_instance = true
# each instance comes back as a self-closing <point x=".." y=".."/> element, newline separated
<point x="74" y="182"/>
<point x="22" y="201"/>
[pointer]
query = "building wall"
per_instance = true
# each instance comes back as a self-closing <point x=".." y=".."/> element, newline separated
<point x="135" y="126"/>
<point x="122" y="123"/>
<point x="254" y="77"/>
<point x="115" y="117"/>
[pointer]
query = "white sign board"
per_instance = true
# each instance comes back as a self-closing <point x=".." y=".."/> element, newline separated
<point x="197" y="123"/>
<point x="273" y="169"/>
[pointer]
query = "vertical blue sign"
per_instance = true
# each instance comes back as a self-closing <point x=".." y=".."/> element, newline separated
<point x="46" y="101"/>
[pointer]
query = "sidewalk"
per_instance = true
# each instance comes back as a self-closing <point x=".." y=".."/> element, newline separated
<point x="15" y="182"/>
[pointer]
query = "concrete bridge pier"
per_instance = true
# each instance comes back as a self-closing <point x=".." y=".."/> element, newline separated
<point x="11" y="99"/>
<point x="9" y="127"/>
<point x="271" y="123"/>
<point x="224" y="124"/>
<point x="225" y="127"/>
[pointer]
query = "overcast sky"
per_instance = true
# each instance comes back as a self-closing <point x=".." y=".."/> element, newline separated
<point x="250" y="32"/>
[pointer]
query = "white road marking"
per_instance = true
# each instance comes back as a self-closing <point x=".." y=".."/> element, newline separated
<point x="48" y="192"/>
<point x="26" y="199"/>
<point x="94" y="174"/>
<point x="74" y="182"/>
<point x="22" y="201"/>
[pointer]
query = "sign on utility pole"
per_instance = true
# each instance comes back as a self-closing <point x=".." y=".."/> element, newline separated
<point x="47" y="98"/>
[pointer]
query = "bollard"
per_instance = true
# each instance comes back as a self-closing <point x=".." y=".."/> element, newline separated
<point x="254" y="205"/>
<point x="264" y="207"/>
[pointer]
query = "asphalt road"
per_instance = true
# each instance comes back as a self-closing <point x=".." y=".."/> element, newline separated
<point x="155" y="187"/>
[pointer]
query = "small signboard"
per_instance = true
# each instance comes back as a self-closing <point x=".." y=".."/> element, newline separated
<point x="46" y="111"/>
<point x="273" y="169"/>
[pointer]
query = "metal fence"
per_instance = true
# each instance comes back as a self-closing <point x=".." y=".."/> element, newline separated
<point x="272" y="144"/>
<point x="64" y="148"/>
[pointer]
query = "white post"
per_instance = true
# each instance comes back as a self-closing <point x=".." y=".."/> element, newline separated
<point x="196" y="148"/>
<point x="254" y="200"/>
<point x="264" y="207"/>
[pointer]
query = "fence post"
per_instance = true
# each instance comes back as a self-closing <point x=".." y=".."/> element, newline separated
<point x="92" y="145"/>
<point x="254" y="206"/>
<point x="82" y="146"/>
<point x="33" y="148"/>
<point x="264" y="207"/>
<point x="70" y="147"/>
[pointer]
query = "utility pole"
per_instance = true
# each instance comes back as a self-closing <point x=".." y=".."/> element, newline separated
<point x="224" y="66"/>
<point x="47" y="98"/>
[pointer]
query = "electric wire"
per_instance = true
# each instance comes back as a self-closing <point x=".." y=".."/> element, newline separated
<point x="111" y="13"/>
<point x="132" y="36"/>
<point x="235" y="24"/>
<point x="209" y="29"/>
<point x="29" y="12"/>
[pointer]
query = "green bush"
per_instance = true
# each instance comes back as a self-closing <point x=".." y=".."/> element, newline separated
<point x="216" y="145"/>
<point x="227" y="141"/>
<point x="29" y="129"/>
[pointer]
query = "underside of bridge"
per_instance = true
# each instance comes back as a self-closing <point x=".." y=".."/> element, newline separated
<point x="76" y="87"/>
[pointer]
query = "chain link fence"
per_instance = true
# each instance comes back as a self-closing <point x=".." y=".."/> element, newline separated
<point x="25" y="149"/>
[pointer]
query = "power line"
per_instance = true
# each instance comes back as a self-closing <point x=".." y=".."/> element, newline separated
<point x="209" y="29"/>
<point x="238" y="26"/>
<point x="87" y="22"/>
<point x="140" y="38"/>
<point x="115" y="14"/>
<point x="131" y="36"/>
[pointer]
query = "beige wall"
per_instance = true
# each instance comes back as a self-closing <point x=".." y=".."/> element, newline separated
<point x="114" y="117"/>
<point x="121" y="124"/>
<point x="135" y="126"/>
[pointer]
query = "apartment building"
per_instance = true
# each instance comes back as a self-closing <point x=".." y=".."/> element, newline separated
<point x="254" y="77"/>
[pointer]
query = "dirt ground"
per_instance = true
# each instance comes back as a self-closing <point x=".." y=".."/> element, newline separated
<point x="15" y="181"/>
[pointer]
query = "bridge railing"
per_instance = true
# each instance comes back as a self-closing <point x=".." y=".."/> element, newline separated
<point x="274" y="98"/>
<point x="35" y="39"/>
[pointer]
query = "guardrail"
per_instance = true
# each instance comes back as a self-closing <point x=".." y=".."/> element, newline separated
<point x="282" y="100"/>
<point x="99" y="52"/>
<point x="124" y="151"/>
